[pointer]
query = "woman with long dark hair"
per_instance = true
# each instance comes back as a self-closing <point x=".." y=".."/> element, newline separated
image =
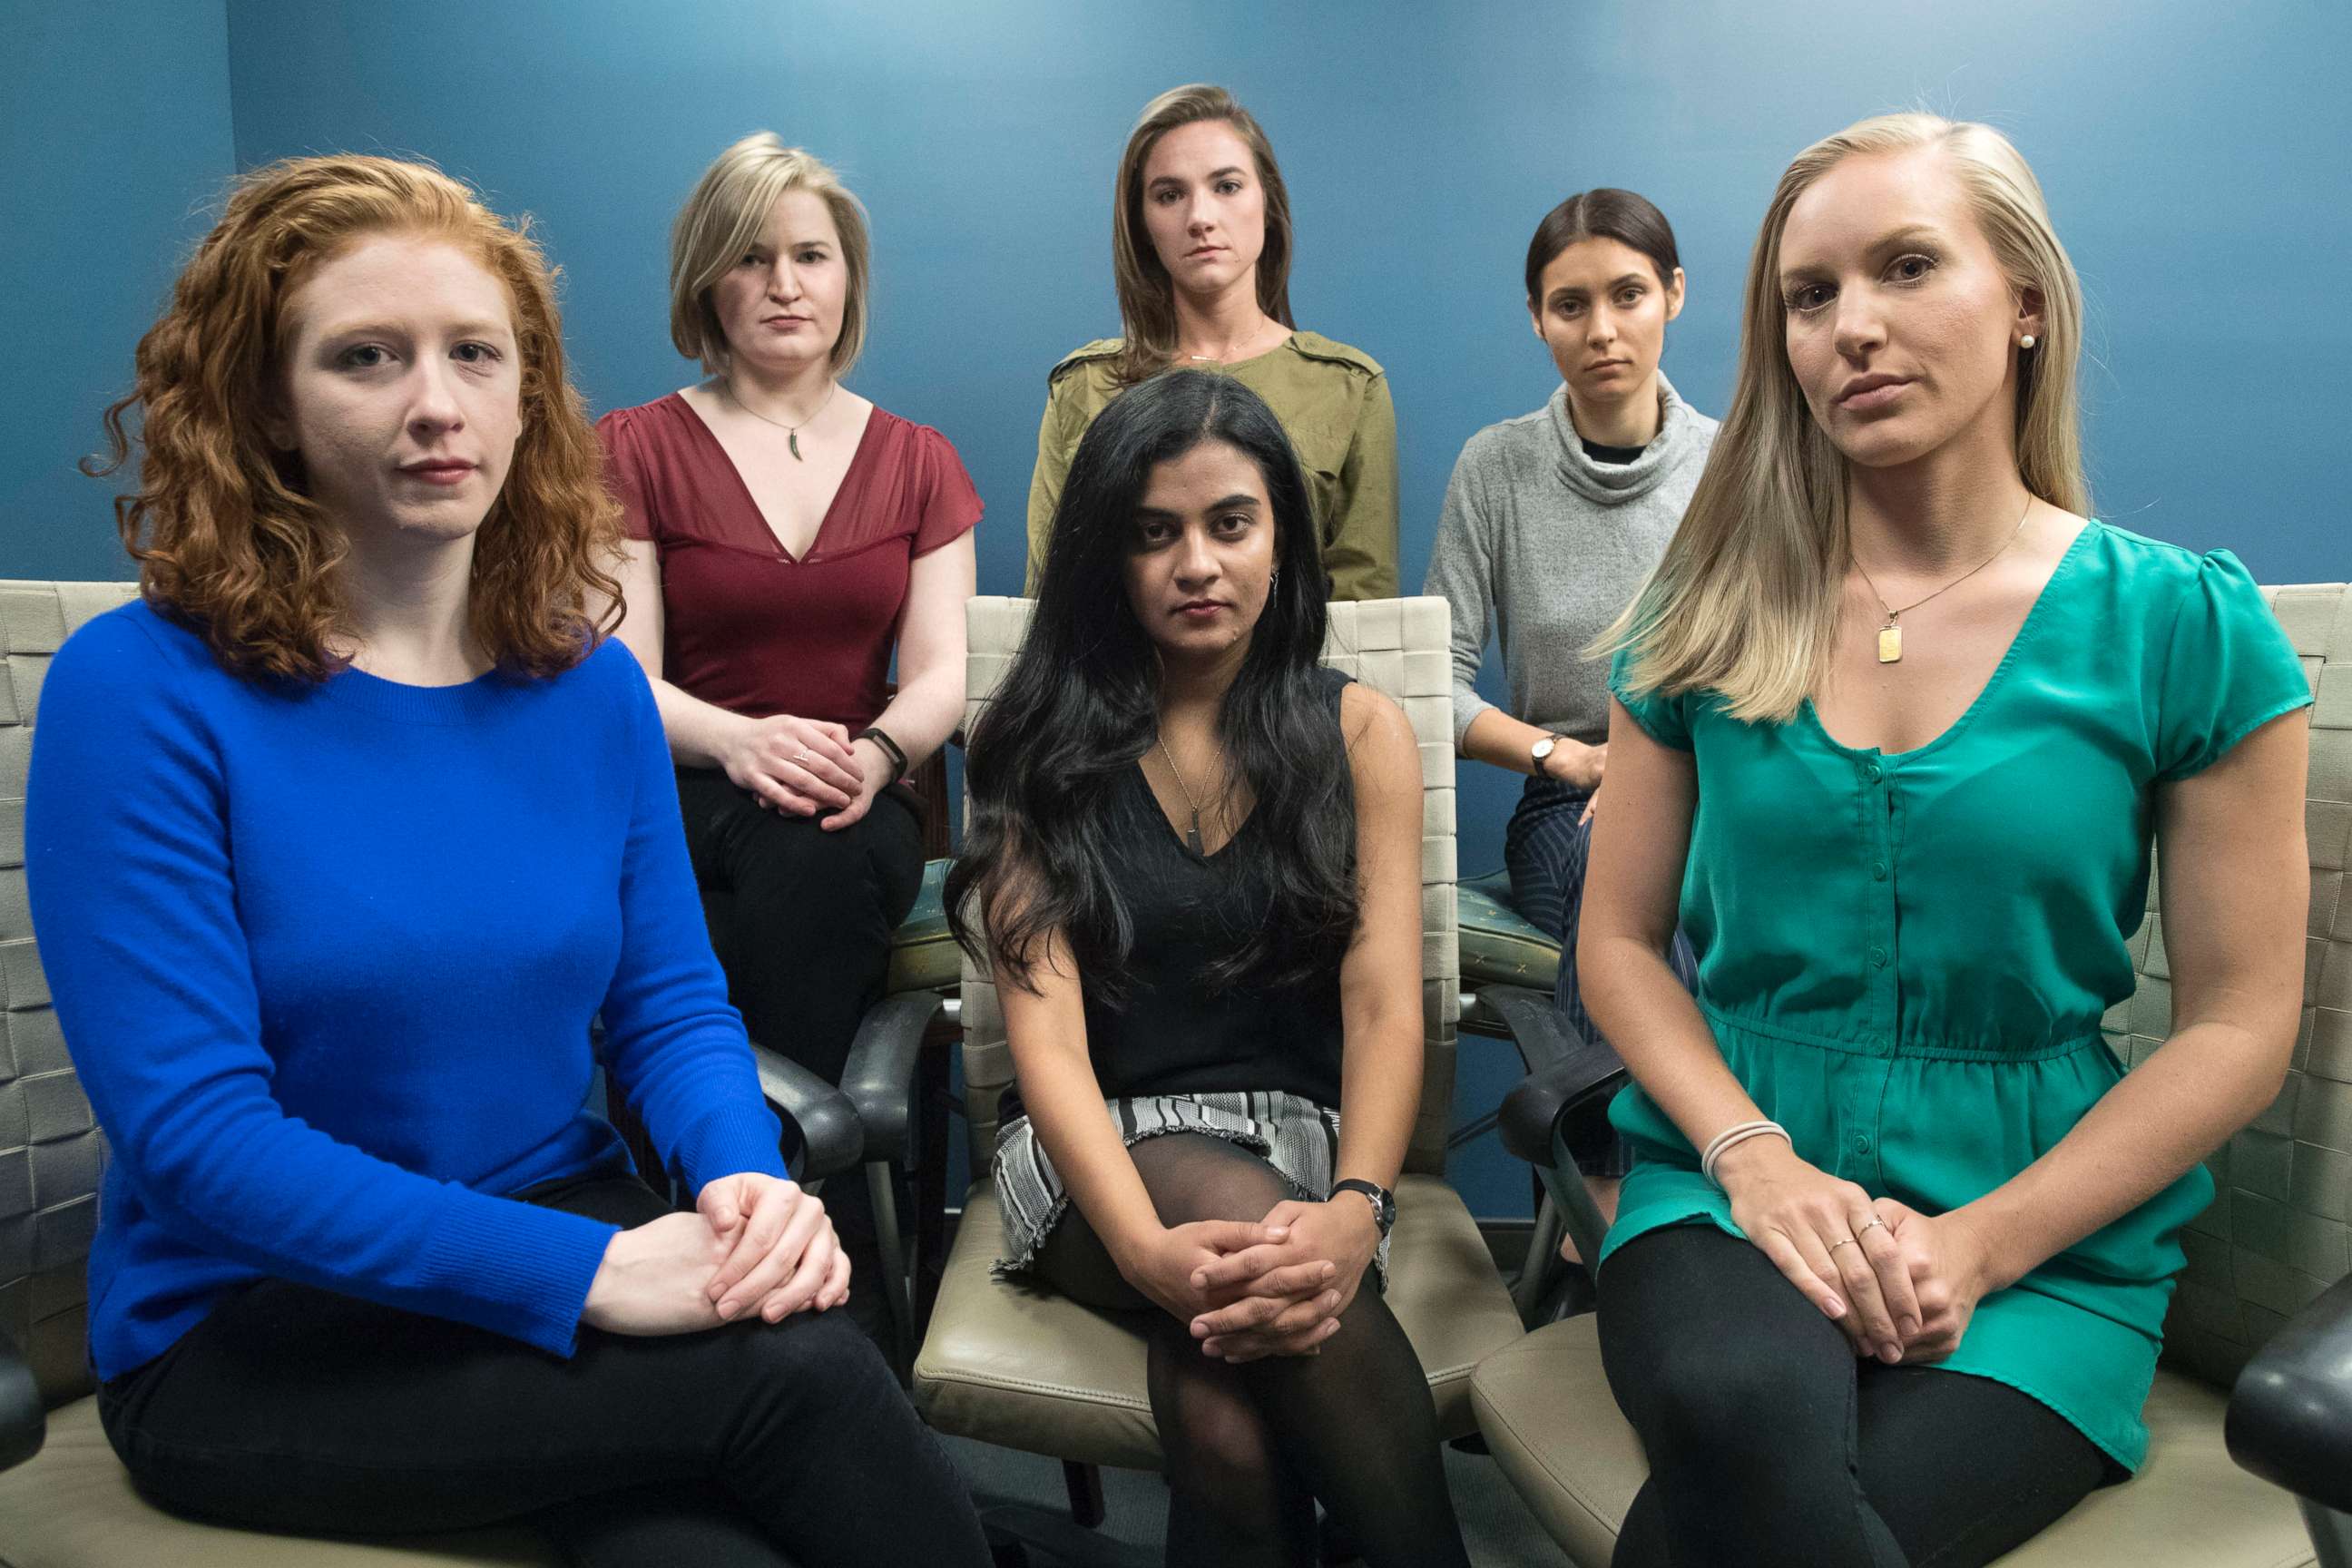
<point x="1193" y="862"/>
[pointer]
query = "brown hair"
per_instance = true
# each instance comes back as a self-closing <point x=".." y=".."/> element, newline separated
<point x="1603" y="212"/>
<point x="1147" y="303"/>
<point x="722" y="219"/>
<point x="226" y="539"/>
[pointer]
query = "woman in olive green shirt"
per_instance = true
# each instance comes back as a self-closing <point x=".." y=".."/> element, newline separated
<point x="1200" y="240"/>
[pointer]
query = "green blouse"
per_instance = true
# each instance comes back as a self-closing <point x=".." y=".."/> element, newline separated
<point x="1333" y="402"/>
<point x="1904" y="956"/>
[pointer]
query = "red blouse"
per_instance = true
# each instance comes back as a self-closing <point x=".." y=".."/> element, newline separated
<point x="746" y="625"/>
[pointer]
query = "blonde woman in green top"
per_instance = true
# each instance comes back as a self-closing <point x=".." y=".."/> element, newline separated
<point x="1201" y="242"/>
<point x="1897" y="724"/>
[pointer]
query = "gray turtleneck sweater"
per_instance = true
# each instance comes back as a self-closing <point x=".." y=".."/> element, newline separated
<point x="1546" y="545"/>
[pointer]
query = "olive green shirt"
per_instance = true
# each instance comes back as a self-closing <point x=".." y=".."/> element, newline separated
<point x="1332" y="400"/>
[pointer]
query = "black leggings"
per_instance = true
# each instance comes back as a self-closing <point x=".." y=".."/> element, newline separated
<point x="1250" y="1448"/>
<point x="747" y="1446"/>
<point x="1770" y="1446"/>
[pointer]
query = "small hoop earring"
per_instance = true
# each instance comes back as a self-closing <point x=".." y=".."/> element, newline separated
<point x="2026" y="342"/>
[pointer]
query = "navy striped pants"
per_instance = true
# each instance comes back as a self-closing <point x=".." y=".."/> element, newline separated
<point x="1545" y="850"/>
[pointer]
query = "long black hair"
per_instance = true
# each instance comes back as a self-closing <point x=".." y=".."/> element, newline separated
<point x="1081" y="704"/>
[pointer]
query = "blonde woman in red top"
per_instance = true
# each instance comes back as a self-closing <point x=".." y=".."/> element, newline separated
<point x="786" y="537"/>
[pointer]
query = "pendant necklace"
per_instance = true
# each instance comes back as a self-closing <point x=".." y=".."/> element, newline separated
<point x="791" y="432"/>
<point x="1191" y="834"/>
<point x="1890" y="636"/>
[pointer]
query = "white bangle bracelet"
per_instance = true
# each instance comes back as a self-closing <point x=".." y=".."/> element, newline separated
<point x="1737" y="1133"/>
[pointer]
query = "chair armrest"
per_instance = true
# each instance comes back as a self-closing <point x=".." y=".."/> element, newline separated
<point x="2290" y="1417"/>
<point x="24" y="1424"/>
<point x="831" y="1138"/>
<point x="1534" y="1108"/>
<point x="879" y="1077"/>
<point x="1535" y="1026"/>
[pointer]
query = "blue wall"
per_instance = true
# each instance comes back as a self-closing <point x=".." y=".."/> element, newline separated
<point x="2196" y="169"/>
<point x="114" y="130"/>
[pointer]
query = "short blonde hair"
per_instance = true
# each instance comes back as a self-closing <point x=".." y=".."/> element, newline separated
<point x="720" y="220"/>
<point x="1745" y="602"/>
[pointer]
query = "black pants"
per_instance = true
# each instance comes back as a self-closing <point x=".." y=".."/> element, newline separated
<point x="801" y="918"/>
<point x="802" y="921"/>
<point x="1769" y="1444"/>
<point x="748" y="1446"/>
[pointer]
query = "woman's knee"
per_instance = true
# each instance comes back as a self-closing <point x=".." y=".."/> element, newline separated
<point x="813" y="1362"/>
<point x="1193" y="1176"/>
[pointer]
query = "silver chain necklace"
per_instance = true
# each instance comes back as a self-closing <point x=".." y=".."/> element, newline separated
<point x="1191" y="834"/>
<point x="791" y="432"/>
<point x="1890" y="635"/>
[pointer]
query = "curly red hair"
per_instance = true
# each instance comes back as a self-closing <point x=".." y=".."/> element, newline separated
<point x="225" y="538"/>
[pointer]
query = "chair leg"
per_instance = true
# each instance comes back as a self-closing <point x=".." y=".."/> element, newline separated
<point x="2330" y="1532"/>
<point x="882" y="1190"/>
<point x="1539" y="1271"/>
<point x="1085" y="1485"/>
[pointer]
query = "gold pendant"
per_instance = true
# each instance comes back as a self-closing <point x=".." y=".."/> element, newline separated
<point x="792" y="439"/>
<point x="1890" y="643"/>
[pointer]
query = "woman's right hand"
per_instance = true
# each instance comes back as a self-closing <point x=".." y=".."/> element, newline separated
<point x="789" y="763"/>
<point x="1822" y="1234"/>
<point x="656" y="1278"/>
<point x="1578" y="765"/>
<point x="1163" y="1263"/>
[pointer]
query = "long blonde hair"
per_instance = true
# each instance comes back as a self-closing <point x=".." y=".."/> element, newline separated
<point x="722" y="219"/>
<point x="1745" y="602"/>
<point x="1146" y="295"/>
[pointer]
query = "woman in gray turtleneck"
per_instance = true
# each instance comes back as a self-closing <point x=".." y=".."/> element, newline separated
<point x="1552" y="522"/>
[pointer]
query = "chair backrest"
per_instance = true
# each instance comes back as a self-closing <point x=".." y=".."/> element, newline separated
<point x="2280" y="1228"/>
<point x="1398" y="647"/>
<point x="50" y="1147"/>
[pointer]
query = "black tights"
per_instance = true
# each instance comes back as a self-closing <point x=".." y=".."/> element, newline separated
<point x="1250" y="1448"/>
<point x="1770" y="1446"/>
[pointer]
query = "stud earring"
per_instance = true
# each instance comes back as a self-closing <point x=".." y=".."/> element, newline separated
<point x="2026" y="342"/>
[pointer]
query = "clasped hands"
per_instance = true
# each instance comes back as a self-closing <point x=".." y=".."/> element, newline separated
<point x="1275" y="1287"/>
<point x="807" y="767"/>
<point x="1902" y="1284"/>
<point x="754" y="1245"/>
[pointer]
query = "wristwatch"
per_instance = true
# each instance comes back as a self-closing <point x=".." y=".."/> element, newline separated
<point x="1541" y="749"/>
<point x="1383" y="1201"/>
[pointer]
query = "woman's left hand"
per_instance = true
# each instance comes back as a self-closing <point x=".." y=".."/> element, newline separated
<point x="781" y="1254"/>
<point x="1950" y="1271"/>
<point x="1342" y="1232"/>
<point x="878" y="771"/>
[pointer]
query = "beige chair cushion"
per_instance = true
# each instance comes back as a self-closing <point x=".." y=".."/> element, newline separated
<point x="73" y="1506"/>
<point x="1015" y="1365"/>
<point x="1545" y="1406"/>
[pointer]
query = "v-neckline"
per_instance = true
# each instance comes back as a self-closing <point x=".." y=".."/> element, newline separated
<point x="817" y="540"/>
<point x="1176" y="834"/>
<point x="2026" y="629"/>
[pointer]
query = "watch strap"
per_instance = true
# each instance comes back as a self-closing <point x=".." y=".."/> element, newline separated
<point x="1383" y="1201"/>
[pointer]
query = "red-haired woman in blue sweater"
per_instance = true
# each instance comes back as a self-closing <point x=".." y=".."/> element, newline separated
<point x="337" y="841"/>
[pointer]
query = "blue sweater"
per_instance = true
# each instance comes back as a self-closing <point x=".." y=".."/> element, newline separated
<point x="326" y="959"/>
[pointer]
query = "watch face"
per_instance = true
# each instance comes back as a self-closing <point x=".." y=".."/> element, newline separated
<point x="1543" y="748"/>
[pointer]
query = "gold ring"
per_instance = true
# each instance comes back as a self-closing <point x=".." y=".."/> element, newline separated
<point x="1849" y="1241"/>
<point x="1874" y="1222"/>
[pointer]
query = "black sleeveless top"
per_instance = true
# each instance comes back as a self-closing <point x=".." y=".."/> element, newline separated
<point x="1172" y="1031"/>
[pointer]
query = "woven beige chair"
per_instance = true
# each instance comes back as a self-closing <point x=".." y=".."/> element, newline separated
<point x="2275" y="1240"/>
<point x="1014" y="1364"/>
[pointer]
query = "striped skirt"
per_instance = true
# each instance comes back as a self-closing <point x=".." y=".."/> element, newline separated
<point x="1296" y="1136"/>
